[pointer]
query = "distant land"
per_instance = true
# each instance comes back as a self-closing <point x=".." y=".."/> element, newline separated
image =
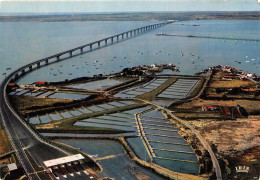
<point x="139" y="16"/>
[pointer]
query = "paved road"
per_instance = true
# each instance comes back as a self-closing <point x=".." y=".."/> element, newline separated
<point x="24" y="139"/>
<point x="202" y="140"/>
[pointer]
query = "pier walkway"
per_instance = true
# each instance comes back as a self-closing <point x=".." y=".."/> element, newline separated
<point x="208" y="37"/>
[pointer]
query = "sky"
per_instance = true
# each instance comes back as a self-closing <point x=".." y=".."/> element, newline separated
<point x="99" y="6"/>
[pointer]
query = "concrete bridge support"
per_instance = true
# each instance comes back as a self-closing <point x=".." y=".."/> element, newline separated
<point x="16" y="76"/>
<point x="124" y="35"/>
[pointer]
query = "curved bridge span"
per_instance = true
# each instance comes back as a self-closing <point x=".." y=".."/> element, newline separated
<point x="28" y="145"/>
<point x="85" y="48"/>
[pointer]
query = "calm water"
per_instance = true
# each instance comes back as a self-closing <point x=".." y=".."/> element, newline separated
<point x="36" y="40"/>
<point x="117" y="166"/>
<point x="98" y="85"/>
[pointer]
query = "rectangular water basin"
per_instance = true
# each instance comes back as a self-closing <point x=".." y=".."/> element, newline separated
<point x="136" y="93"/>
<point x="159" y="126"/>
<point x="34" y="120"/>
<point x="44" y="94"/>
<point x="154" y="119"/>
<point x="128" y="102"/>
<point x="160" y="132"/>
<point x="68" y="96"/>
<point x="98" y="85"/>
<point x="177" y="166"/>
<point x="175" y="147"/>
<point x="116" y="118"/>
<point x="138" y="147"/>
<point x="123" y="115"/>
<point x="105" y="126"/>
<point x="176" y="155"/>
<point x="95" y="108"/>
<point x="22" y="92"/>
<point x="55" y="116"/>
<point x="117" y="104"/>
<point x="154" y="113"/>
<point x="170" y="96"/>
<point x="65" y="114"/>
<point x="135" y="111"/>
<point x="106" y="106"/>
<point x="166" y="139"/>
<point x="45" y="119"/>
<point x="33" y="93"/>
<point x="143" y="90"/>
<point x="123" y="95"/>
<point x="103" y="121"/>
<point x="75" y="113"/>
<point x="84" y="110"/>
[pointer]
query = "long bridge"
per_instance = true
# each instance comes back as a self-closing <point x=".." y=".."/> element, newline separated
<point x="86" y="48"/>
<point x="29" y="145"/>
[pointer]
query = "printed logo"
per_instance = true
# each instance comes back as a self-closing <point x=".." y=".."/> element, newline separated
<point x="242" y="169"/>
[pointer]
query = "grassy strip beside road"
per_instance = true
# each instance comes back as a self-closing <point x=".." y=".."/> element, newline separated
<point x="5" y="146"/>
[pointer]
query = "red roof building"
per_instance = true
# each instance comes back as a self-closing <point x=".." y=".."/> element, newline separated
<point x="40" y="83"/>
<point x="11" y="84"/>
<point x="209" y="108"/>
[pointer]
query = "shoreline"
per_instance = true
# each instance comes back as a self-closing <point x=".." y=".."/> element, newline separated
<point x="135" y="16"/>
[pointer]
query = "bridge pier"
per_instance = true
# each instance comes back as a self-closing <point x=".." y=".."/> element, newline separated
<point x="122" y="36"/>
<point x="70" y="53"/>
<point x="16" y="76"/>
<point x="47" y="61"/>
<point x="127" y="34"/>
<point x="112" y="39"/>
<point x="58" y="58"/>
<point x="105" y="41"/>
<point x="117" y="38"/>
<point x="90" y="47"/>
<point x="23" y="71"/>
<point x="99" y="44"/>
<point x="38" y="65"/>
<point x="30" y="68"/>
